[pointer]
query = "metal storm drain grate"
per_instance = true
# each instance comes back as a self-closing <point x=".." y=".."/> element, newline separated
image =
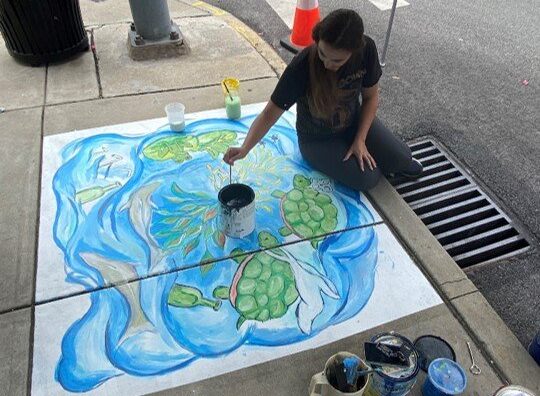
<point x="462" y="217"/>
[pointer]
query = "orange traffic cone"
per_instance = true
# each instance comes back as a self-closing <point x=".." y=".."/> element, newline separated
<point x="306" y="17"/>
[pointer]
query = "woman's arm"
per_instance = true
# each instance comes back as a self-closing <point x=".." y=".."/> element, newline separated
<point x="262" y="125"/>
<point x="258" y="129"/>
<point x="370" y="104"/>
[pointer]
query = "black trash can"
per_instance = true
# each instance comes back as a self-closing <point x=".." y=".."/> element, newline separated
<point x="42" y="31"/>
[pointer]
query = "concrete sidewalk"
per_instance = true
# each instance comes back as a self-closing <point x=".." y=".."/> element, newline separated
<point x="104" y="87"/>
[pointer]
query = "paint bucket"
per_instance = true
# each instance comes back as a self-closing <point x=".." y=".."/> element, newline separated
<point x="237" y="210"/>
<point x="322" y="384"/>
<point x="534" y="348"/>
<point x="445" y="377"/>
<point x="513" y="390"/>
<point x="394" y="381"/>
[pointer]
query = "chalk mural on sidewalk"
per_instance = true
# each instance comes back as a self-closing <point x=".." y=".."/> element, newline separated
<point x="132" y="207"/>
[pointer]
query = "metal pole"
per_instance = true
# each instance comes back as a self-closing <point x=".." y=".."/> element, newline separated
<point x="388" y="31"/>
<point x="152" y="19"/>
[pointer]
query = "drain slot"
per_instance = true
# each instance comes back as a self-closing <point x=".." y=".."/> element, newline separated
<point x="460" y="215"/>
<point x="428" y="206"/>
<point x="462" y="219"/>
<point x="469" y="230"/>
<point x="434" y="189"/>
<point x="480" y="240"/>
<point x="454" y="210"/>
<point x="499" y="250"/>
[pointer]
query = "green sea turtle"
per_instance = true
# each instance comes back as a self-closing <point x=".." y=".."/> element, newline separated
<point x="263" y="286"/>
<point x="305" y="211"/>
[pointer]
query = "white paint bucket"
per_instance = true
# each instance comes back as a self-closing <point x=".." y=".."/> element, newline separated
<point x="321" y="384"/>
<point x="237" y="210"/>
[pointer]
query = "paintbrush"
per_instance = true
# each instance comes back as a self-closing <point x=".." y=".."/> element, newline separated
<point x="350" y="368"/>
<point x="227" y="89"/>
<point x="353" y="370"/>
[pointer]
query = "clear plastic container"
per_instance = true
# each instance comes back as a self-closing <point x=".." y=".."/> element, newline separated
<point x="175" y="115"/>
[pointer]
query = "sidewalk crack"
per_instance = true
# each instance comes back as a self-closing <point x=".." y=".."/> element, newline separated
<point x="96" y="62"/>
<point x="454" y="281"/>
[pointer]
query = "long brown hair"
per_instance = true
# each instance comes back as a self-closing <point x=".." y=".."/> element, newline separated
<point x="343" y="30"/>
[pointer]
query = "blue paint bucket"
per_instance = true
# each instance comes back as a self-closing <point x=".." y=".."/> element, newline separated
<point x="534" y="348"/>
<point x="394" y="381"/>
<point x="445" y="377"/>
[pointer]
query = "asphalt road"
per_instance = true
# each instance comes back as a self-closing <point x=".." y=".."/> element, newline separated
<point x="455" y="71"/>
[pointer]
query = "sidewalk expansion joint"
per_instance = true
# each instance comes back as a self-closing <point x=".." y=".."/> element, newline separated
<point x="465" y="294"/>
<point x="173" y="270"/>
<point x="34" y="280"/>
<point x="148" y="93"/>
<point x="96" y="63"/>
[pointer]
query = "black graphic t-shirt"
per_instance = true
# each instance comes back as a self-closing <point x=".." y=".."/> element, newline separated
<point x="362" y="70"/>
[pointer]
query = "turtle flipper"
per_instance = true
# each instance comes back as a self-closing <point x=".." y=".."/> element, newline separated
<point x="237" y="255"/>
<point x="240" y="322"/>
<point x="315" y="242"/>
<point x="285" y="231"/>
<point x="278" y="194"/>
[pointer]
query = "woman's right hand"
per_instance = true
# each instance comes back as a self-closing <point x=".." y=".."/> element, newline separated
<point x="233" y="154"/>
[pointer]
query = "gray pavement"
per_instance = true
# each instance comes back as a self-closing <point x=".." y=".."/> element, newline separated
<point x="66" y="97"/>
<point x="454" y="72"/>
<point x="291" y="375"/>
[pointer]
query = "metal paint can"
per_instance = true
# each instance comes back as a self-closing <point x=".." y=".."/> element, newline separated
<point x="237" y="210"/>
<point x="514" y="390"/>
<point x="394" y="381"/>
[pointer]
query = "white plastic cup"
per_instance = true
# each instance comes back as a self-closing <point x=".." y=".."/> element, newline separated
<point x="175" y="115"/>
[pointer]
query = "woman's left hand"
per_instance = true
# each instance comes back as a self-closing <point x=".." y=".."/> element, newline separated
<point x="360" y="151"/>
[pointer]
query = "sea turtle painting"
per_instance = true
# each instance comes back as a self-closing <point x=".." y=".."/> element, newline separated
<point x="306" y="211"/>
<point x="263" y="286"/>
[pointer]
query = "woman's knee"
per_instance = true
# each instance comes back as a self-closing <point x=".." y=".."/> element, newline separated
<point x="364" y="181"/>
<point x="388" y="149"/>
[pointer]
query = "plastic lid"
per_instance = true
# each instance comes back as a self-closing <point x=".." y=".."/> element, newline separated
<point x="514" y="390"/>
<point x="447" y="376"/>
<point x="431" y="347"/>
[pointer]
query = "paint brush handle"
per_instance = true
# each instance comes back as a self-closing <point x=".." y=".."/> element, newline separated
<point x="361" y="373"/>
<point x="230" y="174"/>
<point x="227" y="89"/>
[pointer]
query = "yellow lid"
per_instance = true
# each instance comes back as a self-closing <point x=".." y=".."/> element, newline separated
<point x="232" y="84"/>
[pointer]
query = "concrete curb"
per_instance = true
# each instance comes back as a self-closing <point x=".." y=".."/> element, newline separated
<point x="262" y="47"/>
<point x="498" y="344"/>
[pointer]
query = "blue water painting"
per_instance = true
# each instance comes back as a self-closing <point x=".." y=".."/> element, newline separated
<point x="137" y="220"/>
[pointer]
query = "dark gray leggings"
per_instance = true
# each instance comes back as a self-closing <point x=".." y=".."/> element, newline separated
<point x="325" y="154"/>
